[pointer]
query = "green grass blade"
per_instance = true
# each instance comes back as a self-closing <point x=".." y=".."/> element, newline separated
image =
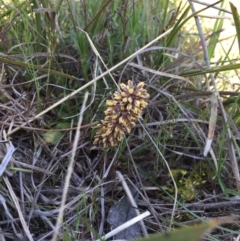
<point x="212" y="70"/>
<point x="193" y="233"/>
<point x="8" y="60"/>
<point x="236" y="21"/>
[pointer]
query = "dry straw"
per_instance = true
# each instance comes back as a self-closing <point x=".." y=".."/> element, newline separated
<point x="121" y="114"/>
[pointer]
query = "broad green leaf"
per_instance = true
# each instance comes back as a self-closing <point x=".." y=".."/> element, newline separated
<point x="52" y="137"/>
<point x="193" y="233"/>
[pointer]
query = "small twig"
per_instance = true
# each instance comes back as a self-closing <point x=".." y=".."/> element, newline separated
<point x="174" y="121"/>
<point x="50" y="129"/>
<point x="125" y="225"/>
<point x="160" y="73"/>
<point x="7" y="158"/>
<point x="207" y="206"/>
<point x="110" y="165"/>
<point x="31" y="167"/>
<point x="102" y="201"/>
<point x="214" y="16"/>
<point x="194" y="94"/>
<point x="209" y="4"/>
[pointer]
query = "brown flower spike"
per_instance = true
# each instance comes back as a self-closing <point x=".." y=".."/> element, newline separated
<point x="121" y="114"/>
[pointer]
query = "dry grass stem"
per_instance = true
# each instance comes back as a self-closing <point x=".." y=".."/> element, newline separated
<point x="125" y="225"/>
<point x="17" y="205"/>
<point x="69" y="171"/>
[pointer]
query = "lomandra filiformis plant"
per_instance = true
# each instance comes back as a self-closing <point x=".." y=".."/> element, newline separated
<point x="121" y="114"/>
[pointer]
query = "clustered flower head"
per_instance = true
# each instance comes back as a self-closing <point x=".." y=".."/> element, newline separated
<point x="121" y="114"/>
